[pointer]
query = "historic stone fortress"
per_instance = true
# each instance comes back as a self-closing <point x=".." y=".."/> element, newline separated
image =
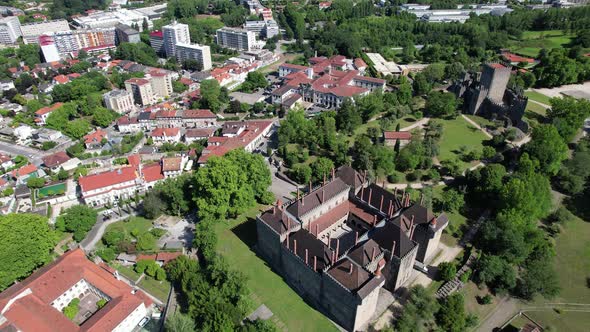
<point x="341" y="242"/>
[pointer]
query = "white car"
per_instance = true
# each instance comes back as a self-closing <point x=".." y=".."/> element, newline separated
<point x="144" y="321"/>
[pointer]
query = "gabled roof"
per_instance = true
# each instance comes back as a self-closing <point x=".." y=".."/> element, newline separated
<point x="106" y="179"/>
<point x="389" y="233"/>
<point x="168" y="132"/>
<point x="401" y="135"/>
<point x="171" y="164"/>
<point x="198" y="114"/>
<point x="55" y="159"/>
<point x="95" y="137"/>
<point x="314" y="199"/>
<point x="48" y="109"/>
<point x="375" y="194"/>
<point x="25" y="170"/>
<point x="152" y="172"/>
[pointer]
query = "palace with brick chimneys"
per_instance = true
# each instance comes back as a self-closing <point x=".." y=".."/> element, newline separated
<point x="344" y="240"/>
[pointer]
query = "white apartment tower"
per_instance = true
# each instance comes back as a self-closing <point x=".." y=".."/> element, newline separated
<point x="237" y="39"/>
<point x="200" y="53"/>
<point x="120" y="101"/>
<point x="141" y="89"/>
<point x="9" y="29"/>
<point x="175" y="33"/>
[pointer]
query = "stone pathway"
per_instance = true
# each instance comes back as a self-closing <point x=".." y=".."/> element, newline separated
<point x="473" y="123"/>
<point x="422" y="122"/>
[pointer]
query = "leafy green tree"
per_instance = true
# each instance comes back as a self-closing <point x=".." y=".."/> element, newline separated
<point x="496" y="272"/>
<point x="26" y="243"/>
<point x="35" y="182"/>
<point x="442" y="104"/>
<point x="78" y="219"/>
<point x="77" y="128"/>
<point x="322" y="167"/>
<point x="107" y="254"/>
<point x="72" y="309"/>
<point x="102" y="117"/>
<point x="179" y="322"/>
<point x="548" y="148"/>
<point x="447" y="270"/>
<point x="301" y="173"/>
<point x="567" y="115"/>
<point x="210" y="95"/>
<point x="452" y="200"/>
<point x="451" y="315"/>
<point x="421" y="85"/>
<point x="146" y="241"/>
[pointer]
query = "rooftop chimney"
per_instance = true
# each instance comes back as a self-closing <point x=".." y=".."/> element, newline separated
<point x="373" y="254"/>
<point x="380" y="266"/>
<point x="412" y="232"/>
<point x="309" y="187"/>
<point x="381" y="204"/>
<point x="329" y="240"/>
<point x="315" y="263"/>
<point x="306" y="256"/>
<point x="295" y="247"/>
<point x="433" y="222"/>
<point x="356" y="237"/>
<point x="333" y="174"/>
<point x="337" y="247"/>
<point x="362" y="193"/>
<point x="370" y="194"/>
<point x="350" y="268"/>
<point x="393" y="249"/>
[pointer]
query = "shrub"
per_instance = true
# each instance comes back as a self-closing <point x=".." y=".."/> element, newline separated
<point x="107" y="254"/>
<point x="447" y="271"/>
<point x="160" y="274"/>
<point x="71" y="310"/>
<point x="487" y="299"/>
<point x="158" y="232"/>
<point x="101" y="303"/>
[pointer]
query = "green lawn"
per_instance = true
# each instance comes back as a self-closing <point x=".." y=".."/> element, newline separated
<point x="536" y="108"/>
<point x="236" y="239"/>
<point x="458" y="133"/>
<point x="533" y="41"/>
<point x="159" y="289"/>
<point x="572" y="264"/>
<point x="537" y="96"/>
<point x="54" y="189"/>
<point x="406" y="121"/>
<point x="481" y="121"/>
<point x="128" y="272"/>
<point x="471" y="293"/>
<point x="141" y="225"/>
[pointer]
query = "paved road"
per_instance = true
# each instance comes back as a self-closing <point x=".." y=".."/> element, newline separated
<point x="98" y="229"/>
<point x="34" y="155"/>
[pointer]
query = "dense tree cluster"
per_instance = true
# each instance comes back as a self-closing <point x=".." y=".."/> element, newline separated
<point x="172" y="196"/>
<point x="26" y="243"/>
<point x="77" y="219"/>
<point x="138" y="52"/>
<point x="60" y="9"/>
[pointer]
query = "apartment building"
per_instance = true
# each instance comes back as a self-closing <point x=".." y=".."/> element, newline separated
<point x="42" y="114"/>
<point x="174" y="33"/>
<point x="32" y="31"/>
<point x="157" y="42"/>
<point x="141" y="89"/>
<point x="126" y="34"/>
<point x="200" y="53"/>
<point x="237" y="39"/>
<point x="120" y="101"/>
<point x="9" y="30"/>
<point x="161" y="82"/>
<point x="101" y="19"/>
<point x="36" y="303"/>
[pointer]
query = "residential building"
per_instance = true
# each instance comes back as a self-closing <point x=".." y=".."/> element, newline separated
<point x="36" y="303"/>
<point x="157" y="42"/>
<point x="264" y="29"/>
<point x="344" y="240"/>
<point x="126" y="34"/>
<point x="42" y="113"/>
<point x="6" y="85"/>
<point x="6" y="161"/>
<point x="234" y="135"/>
<point x="326" y="83"/>
<point x="103" y="188"/>
<point x="391" y="138"/>
<point x="161" y="81"/>
<point x="49" y="49"/>
<point x="120" y="101"/>
<point x="165" y="135"/>
<point x="94" y="140"/>
<point x="32" y="31"/>
<point x="200" y="53"/>
<point x="196" y="134"/>
<point x="9" y="30"/>
<point x="54" y="161"/>
<point x="67" y="42"/>
<point x="237" y="39"/>
<point x="127" y="124"/>
<point x="174" y="33"/>
<point x="173" y="166"/>
<point x="141" y="89"/>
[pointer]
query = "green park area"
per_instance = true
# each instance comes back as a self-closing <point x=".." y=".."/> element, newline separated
<point x="136" y="225"/>
<point x="236" y="239"/>
<point x="459" y="135"/>
<point x="531" y="42"/>
<point x="539" y="97"/>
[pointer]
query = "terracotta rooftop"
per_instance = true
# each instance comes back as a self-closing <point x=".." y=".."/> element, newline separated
<point x="152" y="172"/>
<point x="171" y="164"/>
<point x="200" y="132"/>
<point x="25" y="170"/>
<point x="27" y="305"/>
<point x="198" y="114"/>
<point x="106" y="179"/>
<point x="55" y="159"/>
<point x="401" y="135"/>
<point x="168" y="132"/>
<point x="48" y="109"/>
<point x="95" y="137"/>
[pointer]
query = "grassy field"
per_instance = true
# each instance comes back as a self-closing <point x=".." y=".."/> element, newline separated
<point x="236" y="240"/>
<point x="128" y="272"/>
<point x="536" y="108"/>
<point x="532" y="42"/>
<point x="159" y="289"/>
<point x="458" y="133"/>
<point x="141" y="225"/>
<point x="483" y="122"/>
<point x="537" y="96"/>
<point x="572" y="264"/>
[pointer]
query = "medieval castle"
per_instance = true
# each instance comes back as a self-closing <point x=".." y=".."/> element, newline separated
<point x="339" y="244"/>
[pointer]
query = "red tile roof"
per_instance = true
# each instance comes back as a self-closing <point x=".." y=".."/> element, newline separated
<point x="401" y="135"/>
<point x="166" y="257"/>
<point x="25" y="170"/>
<point x="516" y="58"/>
<point x="171" y="164"/>
<point x="27" y="305"/>
<point x="152" y="172"/>
<point x="48" y="109"/>
<point x="55" y="159"/>
<point x="198" y="114"/>
<point x="200" y="132"/>
<point x="225" y="144"/>
<point x="134" y="159"/>
<point x="157" y="34"/>
<point x="138" y="81"/>
<point x="61" y="79"/>
<point x="160" y="132"/>
<point x="105" y="179"/>
<point x="496" y="65"/>
<point x="95" y="137"/>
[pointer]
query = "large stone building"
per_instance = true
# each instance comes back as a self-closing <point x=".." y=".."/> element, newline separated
<point x="327" y="82"/>
<point x="486" y="94"/>
<point x="36" y="303"/>
<point x="344" y="240"/>
<point x="126" y="34"/>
